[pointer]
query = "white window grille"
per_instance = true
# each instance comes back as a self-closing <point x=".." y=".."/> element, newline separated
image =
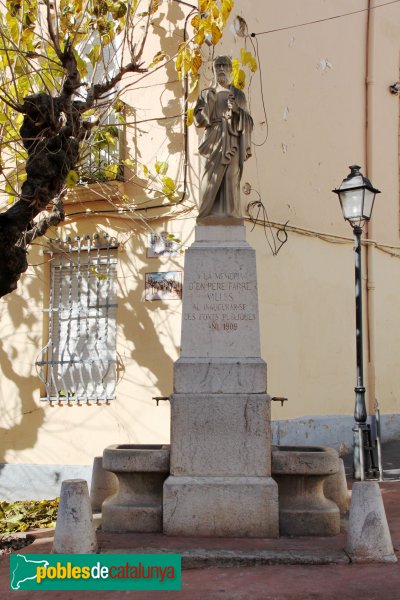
<point x="78" y="363"/>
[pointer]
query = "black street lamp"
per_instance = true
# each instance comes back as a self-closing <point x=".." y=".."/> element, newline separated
<point x="357" y="195"/>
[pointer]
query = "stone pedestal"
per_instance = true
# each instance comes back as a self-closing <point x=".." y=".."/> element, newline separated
<point x="220" y="475"/>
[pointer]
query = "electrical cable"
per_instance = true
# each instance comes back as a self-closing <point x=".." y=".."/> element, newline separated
<point x="255" y="48"/>
<point x="354" y="12"/>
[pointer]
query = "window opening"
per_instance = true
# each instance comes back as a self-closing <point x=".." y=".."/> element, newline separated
<point x="78" y="363"/>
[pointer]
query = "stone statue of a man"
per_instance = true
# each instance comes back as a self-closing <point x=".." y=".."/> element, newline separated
<point x="226" y="143"/>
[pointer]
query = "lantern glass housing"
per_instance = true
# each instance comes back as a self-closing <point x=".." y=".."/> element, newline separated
<point x="356" y="195"/>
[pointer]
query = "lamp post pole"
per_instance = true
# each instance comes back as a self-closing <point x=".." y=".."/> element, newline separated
<point x="357" y="194"/>
<point x="360" y="411"/>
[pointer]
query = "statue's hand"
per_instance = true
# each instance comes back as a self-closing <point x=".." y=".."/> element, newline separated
<point x="232" y="104"/>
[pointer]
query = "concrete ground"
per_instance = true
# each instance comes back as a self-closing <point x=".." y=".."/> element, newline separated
<point x="327" y="574"/>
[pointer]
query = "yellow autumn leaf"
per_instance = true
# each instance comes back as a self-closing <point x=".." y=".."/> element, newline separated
<point x="196" y="61"/>
<point x="194" y="83"/>
<point x="215" y="34"/>
<point x="203" y="5"/>
<point x="235" y="66"/>
<point x="226" y="8"/>
<point x="214" y="10"/>
<point x="187" y="60"/>
<point x="207" y="24"/>
<point x="245" y="56"/>
<point x="154" y="7"/>
<point x="180" y="57"/>
<point x="178" y="63"/>
<point x="190" y="116"/>
<point x="196" y="22"/>
<point x="199" y="37"/>
<point x="239" y="79"/>
<point x="248" y="60"/>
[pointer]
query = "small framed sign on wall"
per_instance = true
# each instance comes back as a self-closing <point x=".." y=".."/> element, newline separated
<point x="163" y="286"/>
<point x="163" y="244"/>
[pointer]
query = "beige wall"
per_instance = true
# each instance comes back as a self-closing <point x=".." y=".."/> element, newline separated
<point x="315" y="96"/>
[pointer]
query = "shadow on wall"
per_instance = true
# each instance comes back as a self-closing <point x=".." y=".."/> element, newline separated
<point x="168" y="98"/>
<point x="149" y="352"/>
<point x="168" y="42"/>
<point x="24" y="433"/>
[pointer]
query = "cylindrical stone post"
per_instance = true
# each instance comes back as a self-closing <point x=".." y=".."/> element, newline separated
<point x="75" y="533"/>
<point x="368" y="536"/>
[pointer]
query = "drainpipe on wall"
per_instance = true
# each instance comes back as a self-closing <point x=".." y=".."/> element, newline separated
<point x="370" y="250"/>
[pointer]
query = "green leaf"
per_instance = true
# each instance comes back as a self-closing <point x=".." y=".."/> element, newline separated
<point x="118" y="9"/>
<point x="118" y="106"/>
<point x="169" y="185"/>
<point x="129" y="162"/>
<point x="100" y="276"/>
<point x="94" y="54"/>
<point x="161" y="167"/>
<point x="72" y="179"/>
<point x="111" y="171"/>
<point x="82" y="68"/>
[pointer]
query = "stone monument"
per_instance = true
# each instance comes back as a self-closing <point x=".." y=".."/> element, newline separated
<point x="220" y="473"/>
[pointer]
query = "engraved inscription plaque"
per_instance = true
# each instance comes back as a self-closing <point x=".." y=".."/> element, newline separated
<point x="220" y="307"/>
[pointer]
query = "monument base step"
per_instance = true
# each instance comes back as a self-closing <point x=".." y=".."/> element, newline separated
<point x="125" y="518"/>
<point x="221" y="506"/>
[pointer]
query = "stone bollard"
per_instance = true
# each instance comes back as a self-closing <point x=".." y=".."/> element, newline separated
<point x="368" y="536"/>
<point x="74" y="532"/>
<point x="104" y="484"/>
<point x="335" y="489"/>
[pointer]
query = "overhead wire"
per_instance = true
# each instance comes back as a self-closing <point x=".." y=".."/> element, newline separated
<point x="354" y="12"/>
<point x="265" y="222"/>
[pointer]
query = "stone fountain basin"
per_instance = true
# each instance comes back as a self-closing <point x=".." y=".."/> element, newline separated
<point x="304" y="460"/>
<point x="139" y="458"/>
<point x="300" y="472"/>
<point x="141" y="470"/>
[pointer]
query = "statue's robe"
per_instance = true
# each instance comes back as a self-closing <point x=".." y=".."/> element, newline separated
<point x="225" y="145"/>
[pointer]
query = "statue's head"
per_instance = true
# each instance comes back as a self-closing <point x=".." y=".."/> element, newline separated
<point x="222" y="69"/>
